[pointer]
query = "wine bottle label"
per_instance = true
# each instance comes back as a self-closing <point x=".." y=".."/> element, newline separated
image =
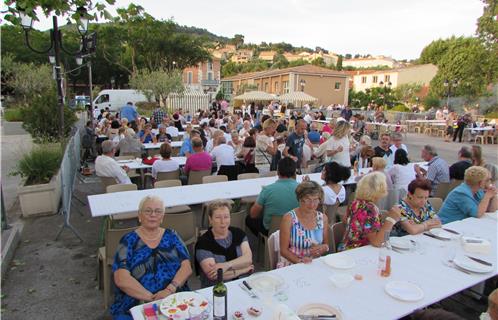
<point x="219" y="306"/>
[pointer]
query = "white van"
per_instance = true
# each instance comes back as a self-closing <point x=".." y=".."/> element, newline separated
<point x="115" y="99"/>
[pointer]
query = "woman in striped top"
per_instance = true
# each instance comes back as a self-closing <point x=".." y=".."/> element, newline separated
<point x="302" y="232"/>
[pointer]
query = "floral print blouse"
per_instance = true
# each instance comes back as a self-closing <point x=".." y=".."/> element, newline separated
<point x="407" y="214"/>
<point x="363" y="218"/>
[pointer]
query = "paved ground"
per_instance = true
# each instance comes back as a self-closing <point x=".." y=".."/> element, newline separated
<point x="15" y="142"/>
<point x="51" y="279"/>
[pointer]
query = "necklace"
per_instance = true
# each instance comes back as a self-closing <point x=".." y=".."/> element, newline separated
<point x="155" y="237"/>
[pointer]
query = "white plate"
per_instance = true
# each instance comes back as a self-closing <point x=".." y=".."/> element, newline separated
<point x="266" y="282"/>
<point x="471" y="265"/>
<point x="339" y="261"/>
<point x="182" y="305"/>
<point x="404" y="291"/>
<point x="341" y="280"/>
<point x="315" y="309"/>
<point x="439" y="232"/>
<point x="400" y="243"/>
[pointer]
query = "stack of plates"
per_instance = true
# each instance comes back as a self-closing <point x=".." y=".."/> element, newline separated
<point x="400" y="243"/>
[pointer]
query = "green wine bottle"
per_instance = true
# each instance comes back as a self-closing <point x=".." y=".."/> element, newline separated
<point x="220" y="298"/>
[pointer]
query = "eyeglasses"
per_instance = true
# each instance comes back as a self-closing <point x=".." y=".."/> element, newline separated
<point x="311" y="201"/>
<point x="150" y="212"/>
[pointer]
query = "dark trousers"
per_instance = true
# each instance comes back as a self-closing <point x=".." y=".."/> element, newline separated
<point x="256" y="225"/>
<point x="230" y="171"/>
<point x="459" y="132"/>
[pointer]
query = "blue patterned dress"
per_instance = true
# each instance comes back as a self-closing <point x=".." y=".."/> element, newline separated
<point x="301" y="239"/>
<point x="153" y="268"/>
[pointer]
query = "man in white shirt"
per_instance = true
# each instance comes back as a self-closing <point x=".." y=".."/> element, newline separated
<point x="172" y="130"/>
<point x="308" y="118"/>
<point x="106" y="166"/>
<point x="224" y="155"/>
<point x="397" y="140"/>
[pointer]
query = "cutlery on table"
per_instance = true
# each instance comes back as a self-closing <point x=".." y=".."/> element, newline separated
<point x="480" y="261"/>
<point x="451" y="231"/>
<point x="451" y="264"/>
<point x="247" y="288"/>
<point x="435" y="237"/>
<point x="397" y="250"/>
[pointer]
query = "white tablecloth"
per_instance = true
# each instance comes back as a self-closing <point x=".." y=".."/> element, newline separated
<point x="174" y="144"/>
<point x="366" y="299"/>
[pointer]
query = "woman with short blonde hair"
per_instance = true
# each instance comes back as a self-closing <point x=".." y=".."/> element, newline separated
<point x="337" y="147"/>
<point x="363" y="222"/>
<point x="471" y="198"/>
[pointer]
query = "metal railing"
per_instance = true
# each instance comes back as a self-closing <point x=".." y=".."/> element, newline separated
<point x="70" y="166"/>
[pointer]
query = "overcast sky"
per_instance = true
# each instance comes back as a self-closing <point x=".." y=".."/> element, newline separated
<point x="397" y="28"/>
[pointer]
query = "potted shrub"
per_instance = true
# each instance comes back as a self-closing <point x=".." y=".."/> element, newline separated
<point x="40" y="191"/>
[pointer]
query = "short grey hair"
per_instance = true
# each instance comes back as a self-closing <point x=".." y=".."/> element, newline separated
<point x="465" y="152"/>
<point x="107" y="146"/>
<point x="397" y="136"/>
<point x="149" y="198"/>
<point x="430" y="150"/>
<point x="222" y="140"/>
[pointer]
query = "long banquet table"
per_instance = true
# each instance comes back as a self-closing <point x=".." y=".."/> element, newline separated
<point x="366" y="298"/>
<point x="120" y="202"/>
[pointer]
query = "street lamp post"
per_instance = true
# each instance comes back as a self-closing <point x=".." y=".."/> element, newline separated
<point x="302" y="83"/>
<point x="54" y="52"/>
<point x="446" y="84"/>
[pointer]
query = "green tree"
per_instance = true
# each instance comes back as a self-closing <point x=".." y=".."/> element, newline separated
<point x="41" y="120"/>
<point x="237" y="40"/>
<point x="230" y="69"/>
<point x="158" y="83"/>
<point x="487" y="28"/>
<point x="279" y="61"/>
<point x="407" y="92"/>
<point x="26" y="80"/>
<point x="318" y="62"/>
<point x="339" y="63"/>
<point x="56" y="7"/>
<point x="297" y="63"/>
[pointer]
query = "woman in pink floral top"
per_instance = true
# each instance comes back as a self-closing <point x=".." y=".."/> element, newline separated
<point x="364" y="225"/>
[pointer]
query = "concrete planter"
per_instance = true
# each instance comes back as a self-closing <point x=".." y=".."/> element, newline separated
<point x="41" y="199"/>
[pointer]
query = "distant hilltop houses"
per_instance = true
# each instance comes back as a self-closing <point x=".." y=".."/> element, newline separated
<point x="326" y="84"/>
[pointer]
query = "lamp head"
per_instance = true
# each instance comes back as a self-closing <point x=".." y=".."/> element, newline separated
<point x="82" y="20"/>
<point x="26" y="19"/>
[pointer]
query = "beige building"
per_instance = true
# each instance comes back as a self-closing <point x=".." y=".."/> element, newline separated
<point x="328" y="86"/>
<point x="306" y="56"/>
<point x="418" y="74"/>
<point x="267" y="55"/>
<point x="370" y="62"/>
<point x="241" y="56"/>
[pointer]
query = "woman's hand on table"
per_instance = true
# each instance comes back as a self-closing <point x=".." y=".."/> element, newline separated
<point x="433" y="223"/>
<point x="213" y="273"/>
<point x="317" y="250"/>
<point x="161" y="294"/>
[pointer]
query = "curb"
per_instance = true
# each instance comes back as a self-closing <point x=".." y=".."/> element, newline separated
<point x="10" y="241"/>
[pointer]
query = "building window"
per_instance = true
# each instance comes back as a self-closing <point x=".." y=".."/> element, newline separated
<point x="337" y="86"/>
<point x="375" y="79"/>
<point x="387" y="78"/>
<point x="210" y="66"/>
<point x="257" y="85"/>
<point x="266" y="86"/>
<point x="285" y="85"/>
<point x="276" y="87"/>
<point x="363" y="79"/>
<point x="190" y="77"/>
<point x="210" y="76"/>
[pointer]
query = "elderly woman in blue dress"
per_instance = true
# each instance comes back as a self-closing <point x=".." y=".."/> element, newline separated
<point x="150" y="263"/>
